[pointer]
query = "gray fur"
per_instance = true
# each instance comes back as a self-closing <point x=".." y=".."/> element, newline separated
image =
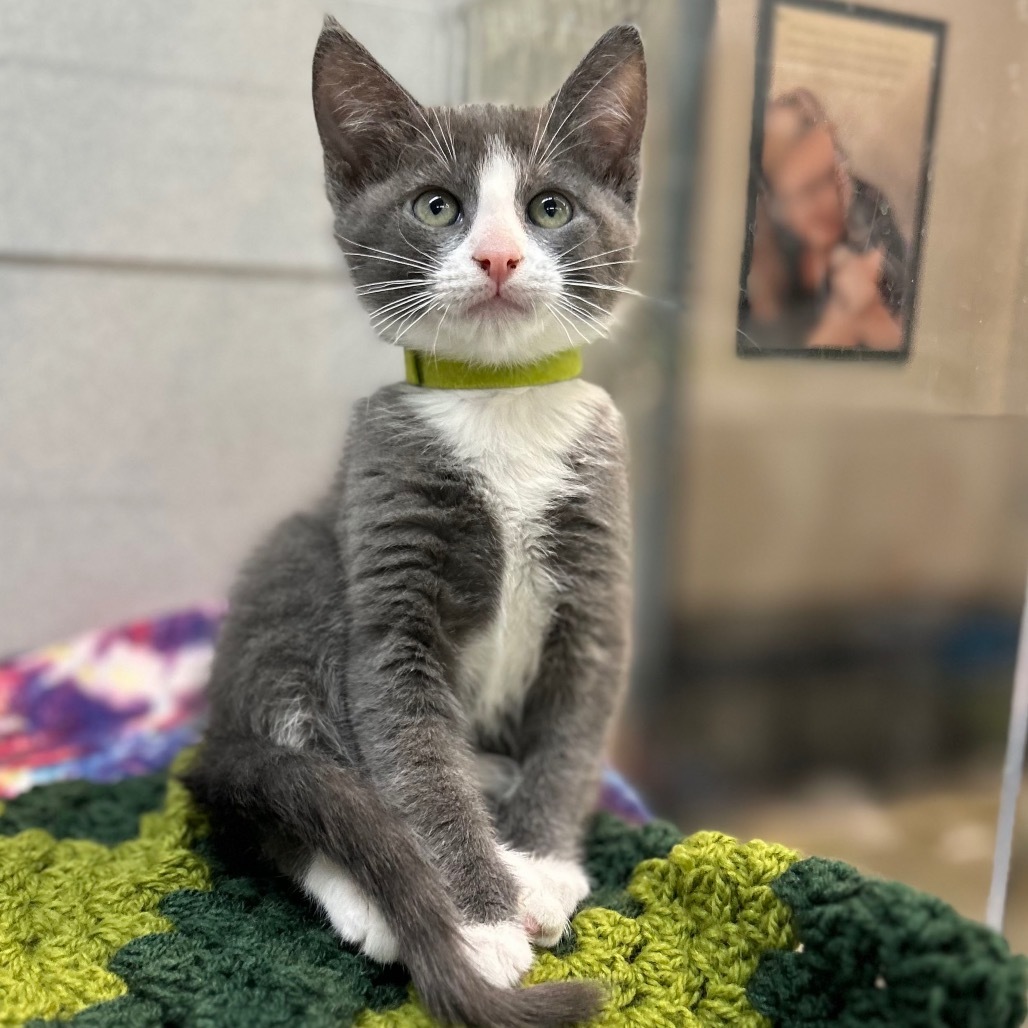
<point x="337" y="724"/>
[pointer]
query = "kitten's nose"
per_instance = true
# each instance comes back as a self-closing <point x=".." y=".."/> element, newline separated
<point x="498" y="263"/>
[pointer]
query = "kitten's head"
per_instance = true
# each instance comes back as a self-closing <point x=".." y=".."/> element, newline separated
<point x="497" y="235"/>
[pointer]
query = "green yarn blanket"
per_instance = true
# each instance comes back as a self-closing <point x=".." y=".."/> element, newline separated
<point x="116" y="909"/>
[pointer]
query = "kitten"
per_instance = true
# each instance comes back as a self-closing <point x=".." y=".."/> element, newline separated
<point x="412" y="689"/>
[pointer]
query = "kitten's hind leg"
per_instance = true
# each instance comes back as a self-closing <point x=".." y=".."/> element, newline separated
<point x="351" y="912"/>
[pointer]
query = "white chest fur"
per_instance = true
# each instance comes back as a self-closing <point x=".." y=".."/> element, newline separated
<point x="518" y="442"/>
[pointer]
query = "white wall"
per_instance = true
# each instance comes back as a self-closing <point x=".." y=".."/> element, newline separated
<point x="178" y="348"/>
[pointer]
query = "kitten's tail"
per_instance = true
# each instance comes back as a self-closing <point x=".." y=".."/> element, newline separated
<point x="329" y="808"/>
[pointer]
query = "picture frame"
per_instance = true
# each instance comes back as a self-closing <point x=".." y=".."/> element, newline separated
<point x="845" y="105"/>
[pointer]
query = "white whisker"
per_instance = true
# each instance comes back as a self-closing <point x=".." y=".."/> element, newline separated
<point x="602" y="264"/>
<point x="535" y="134"/>
<point x="582" y="299"/>
<point x="396" y="316"/>
<point x="439" y="327"/>
<point x="389" y="253"/>
<point x="394" y="304"/>
<point x="388" y="282"/>
<point x="560" y="322"/>
<point x="431" y="147"/>
<point x="594" y="256"/>
<point x="452" y="141"/>
<point x="598" y="285"/>
<point x="431" y="260"/>
<point x="374" y="288"/>
<point x="536" y="143"/>
<point x="416" y="265"/>
<point x="571" y="322"/>
<point x="552" y="155"/>
<point x="438" y="142"/>
<point x="431" y="308"/>
<point x="585" y="317"/>
<point x="592" y="235"/>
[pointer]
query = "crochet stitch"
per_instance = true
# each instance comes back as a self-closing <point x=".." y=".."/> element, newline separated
<point x="68" y="904"/>
<point x="114" y="915"/>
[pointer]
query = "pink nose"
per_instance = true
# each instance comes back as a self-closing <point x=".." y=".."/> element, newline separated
<point x="498" y="264"/>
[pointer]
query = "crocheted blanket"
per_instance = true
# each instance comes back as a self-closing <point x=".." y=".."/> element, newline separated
<point x="117" y="909"/>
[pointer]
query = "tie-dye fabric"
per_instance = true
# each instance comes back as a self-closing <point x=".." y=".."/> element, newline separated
<point x="107" y="704"/>
<point x="118" y="702"/>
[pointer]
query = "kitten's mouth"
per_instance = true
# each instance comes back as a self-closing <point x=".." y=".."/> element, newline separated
<point x="497" y="304"/>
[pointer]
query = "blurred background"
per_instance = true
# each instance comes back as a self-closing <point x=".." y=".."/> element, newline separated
<point x="831" y="555"/>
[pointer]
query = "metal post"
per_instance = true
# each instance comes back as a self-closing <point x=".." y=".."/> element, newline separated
<point x="1013" y="771"/>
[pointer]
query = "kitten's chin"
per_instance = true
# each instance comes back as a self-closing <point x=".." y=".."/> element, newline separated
<point x="498" y="333"/>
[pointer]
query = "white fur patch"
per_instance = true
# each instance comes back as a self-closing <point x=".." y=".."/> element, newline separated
<point x="500" y="953"/>
<point x="352" y="913"/>
<point x="293" y="727"/>
<point x="497" y="215"/>
<point x="518" y="440"/>
<point x="550" y="890"/>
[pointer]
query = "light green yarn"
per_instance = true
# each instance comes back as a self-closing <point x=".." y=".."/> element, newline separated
<point x="67" y="906"/>
<point x="708" y="914"/>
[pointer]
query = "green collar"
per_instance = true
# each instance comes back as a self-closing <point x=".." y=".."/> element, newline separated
<point x="441" y="373"/>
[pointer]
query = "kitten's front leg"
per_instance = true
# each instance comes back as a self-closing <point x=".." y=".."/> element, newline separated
<point x="563" y="729"/>
<point x="550" y="888"/>
<point x="541" y="823"/>
<point x="407" y="717"/>
<point x="411" y="741"/>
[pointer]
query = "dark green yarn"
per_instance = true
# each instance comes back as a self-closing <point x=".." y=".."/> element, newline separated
<point x="107" y="814"/>
<point x="878" y="954"/>
<point x="613" y="851"/>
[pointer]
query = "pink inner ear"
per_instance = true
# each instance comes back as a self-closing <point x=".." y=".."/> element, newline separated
<point x="602" y="105"/>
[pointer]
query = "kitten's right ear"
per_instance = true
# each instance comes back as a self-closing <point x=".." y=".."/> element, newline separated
<point x="600" y="111"/>
<point x="361" y="110"/>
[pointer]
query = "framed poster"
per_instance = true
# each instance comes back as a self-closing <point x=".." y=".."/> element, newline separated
<point x="843" y="120"/>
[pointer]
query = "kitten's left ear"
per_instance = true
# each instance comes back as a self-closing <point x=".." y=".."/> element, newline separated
<point x="363" y="113"/>
<point x="601" y="109"/>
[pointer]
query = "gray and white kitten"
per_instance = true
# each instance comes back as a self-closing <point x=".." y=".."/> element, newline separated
<point x="411" y="693"/>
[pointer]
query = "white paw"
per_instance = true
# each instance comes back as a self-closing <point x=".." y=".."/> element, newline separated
<point x="551" y="889"/>
<point x="501" y="952"/>
<point x="352" y="913"/>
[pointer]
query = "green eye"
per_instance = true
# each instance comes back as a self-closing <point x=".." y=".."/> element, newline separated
<point x="437" y="208"/>
<point x="550" y="210"/>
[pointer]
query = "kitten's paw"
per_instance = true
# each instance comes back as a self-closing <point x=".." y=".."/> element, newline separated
<point x="551" y="889"/>
<point x="352" y="913"/>
<point x="501" y="952"/>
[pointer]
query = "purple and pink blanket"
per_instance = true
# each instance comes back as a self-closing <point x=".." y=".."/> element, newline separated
<point x="118" y="702"/>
